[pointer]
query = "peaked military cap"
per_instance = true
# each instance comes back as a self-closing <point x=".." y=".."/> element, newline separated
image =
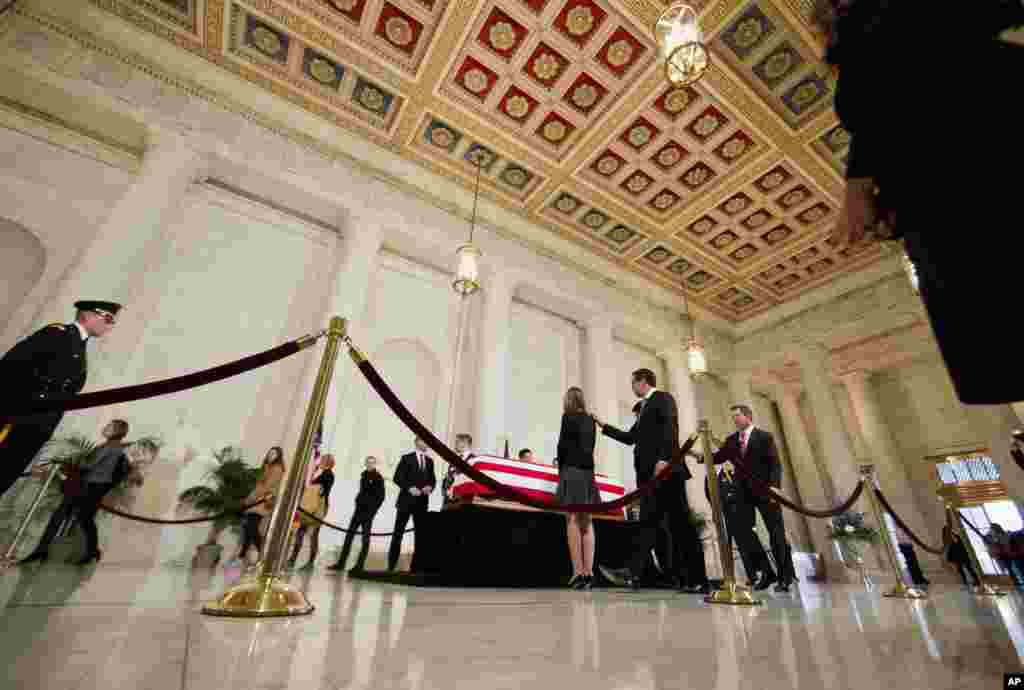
<point x="98" y="306"/>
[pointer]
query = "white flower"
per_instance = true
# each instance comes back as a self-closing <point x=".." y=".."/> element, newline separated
<point x="850" y="529"/>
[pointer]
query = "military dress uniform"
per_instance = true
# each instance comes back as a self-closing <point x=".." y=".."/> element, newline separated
<point x="50" y="363"/>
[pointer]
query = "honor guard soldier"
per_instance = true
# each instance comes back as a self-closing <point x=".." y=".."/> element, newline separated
<point x="49" y="363"/>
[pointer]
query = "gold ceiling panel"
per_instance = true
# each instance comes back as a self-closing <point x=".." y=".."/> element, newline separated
<point x="727" y="191"/>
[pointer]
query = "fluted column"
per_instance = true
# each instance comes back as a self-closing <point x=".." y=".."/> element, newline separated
<point x="110" y="266"/>
<point x="600" y="385"/>
<point x="494" y="363"/>
<point x="357" y="266"/>
<point x="809" y="482"/>
<point x="682" y="388"/>
<point x="839" y="462"/>
<point x="892" y="473"/>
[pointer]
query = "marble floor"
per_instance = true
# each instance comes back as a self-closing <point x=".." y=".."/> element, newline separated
<point x="111" y="626"/>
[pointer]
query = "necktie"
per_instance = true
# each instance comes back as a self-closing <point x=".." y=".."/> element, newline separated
<point x="421" y="463"/>
<point x="744" y="436"/>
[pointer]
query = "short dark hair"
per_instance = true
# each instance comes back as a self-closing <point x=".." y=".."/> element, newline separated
<point x="647" y="376"/>
<point x="524" y="451"/>
<point x="743" y="410"/>
<point x="120" y="429"/>
<point x="464" y="437"/>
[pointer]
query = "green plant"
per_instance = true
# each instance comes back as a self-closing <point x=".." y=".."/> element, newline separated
<point x="73" y="450"/>
<point x="233" y="480"/>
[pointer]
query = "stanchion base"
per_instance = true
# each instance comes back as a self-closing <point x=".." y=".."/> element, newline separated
<point x="732" y="594"/>
<point x="263" y="597"/>
<point x="985" y="590"/>
<point x="903" y="592"/>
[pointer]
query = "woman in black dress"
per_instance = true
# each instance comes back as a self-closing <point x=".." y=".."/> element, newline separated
<point x="576" y="483"/>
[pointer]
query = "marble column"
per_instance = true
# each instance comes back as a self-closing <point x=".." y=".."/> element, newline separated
<point x="311" y="367"/>
<point x="492" y="392"/>
<point x="111" y="265"/>
<point x="809" y="482"/>
<point x="838" y="460"/>
<point x="356" y="269"/>
<point x="600" y="386"/>
<point x="839" y="465"/>
<point x="891" y="472"/>
<point x="682" y="388"/>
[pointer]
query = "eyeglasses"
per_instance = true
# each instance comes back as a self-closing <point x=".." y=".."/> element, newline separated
<point x="106" y="316"/>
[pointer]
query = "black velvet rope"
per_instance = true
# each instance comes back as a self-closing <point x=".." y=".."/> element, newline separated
<point x="501" y="490"/>
<point x="184" y="521"/>
<point x="346" y="531"/>
<point x="903" y="526"/>
<point x="770" y="492"/>
<point x="14" y="408"/>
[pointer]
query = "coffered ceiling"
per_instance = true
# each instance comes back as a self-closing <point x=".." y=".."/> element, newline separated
<point x="726" y="191"/>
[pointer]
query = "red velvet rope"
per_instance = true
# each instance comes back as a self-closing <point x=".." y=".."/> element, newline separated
<point x="342" y="529"/>
<point x="769" y="492"/>
<point x="903" y="526"/>
<point x="501" y="490"/>
<point x="185" y="521"/>
<point x="111" y="396"/>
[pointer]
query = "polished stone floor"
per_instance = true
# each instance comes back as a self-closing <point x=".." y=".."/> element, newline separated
<point x="109" y="626"/>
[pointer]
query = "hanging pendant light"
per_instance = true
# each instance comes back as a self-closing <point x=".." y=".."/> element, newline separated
<point x="696" y="358"/>
<point x="911" y="270"/>
<point x="681" y="44"/>
<point x="467" y="257"/>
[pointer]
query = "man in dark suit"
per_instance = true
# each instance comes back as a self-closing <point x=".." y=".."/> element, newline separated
<point x="416" y="480"/>
<point x="739" y="524"/>
<point x="655" y="440"/>
<point x="49" y="363"/>
<point x="754" y="449"/>
<point x="368" y="502"/>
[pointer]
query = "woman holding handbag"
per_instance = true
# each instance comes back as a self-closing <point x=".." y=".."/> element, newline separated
<point x="266" y="488"/>
<point x="315" y="500"/>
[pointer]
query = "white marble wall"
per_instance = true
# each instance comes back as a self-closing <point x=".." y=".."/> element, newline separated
<point x="544" y="360"/>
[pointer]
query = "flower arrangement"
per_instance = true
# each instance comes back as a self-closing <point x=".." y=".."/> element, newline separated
<point x="850" y="533"/>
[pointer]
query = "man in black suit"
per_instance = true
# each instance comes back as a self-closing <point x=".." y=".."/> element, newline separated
<point x="754" y="449"/>
<point x="416" y="480"/>
<point x="739" y="524"/>
<point x="655" y="440"/>
<point x="368" y="502"/>
<point x="49" y="363"/>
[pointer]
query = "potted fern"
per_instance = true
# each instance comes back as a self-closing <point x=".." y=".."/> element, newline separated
<point x="224" y="493"/>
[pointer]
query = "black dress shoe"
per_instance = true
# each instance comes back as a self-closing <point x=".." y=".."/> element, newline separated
<point x="766" y="581"/>
<point x="582" y="583"/>
<point x="34" y="556"/>
<point x="697" y="589"/>
<point x="356" y="571"/>
<point x="782" y="586"/>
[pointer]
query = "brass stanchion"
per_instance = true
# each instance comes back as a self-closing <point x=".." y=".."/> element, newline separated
<point x="268" y="594"/>
<point x="8" y="559"/>
<point x="902" y="589"/>
<point x="982" y="589"/>
<point x="730" y="592"/>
